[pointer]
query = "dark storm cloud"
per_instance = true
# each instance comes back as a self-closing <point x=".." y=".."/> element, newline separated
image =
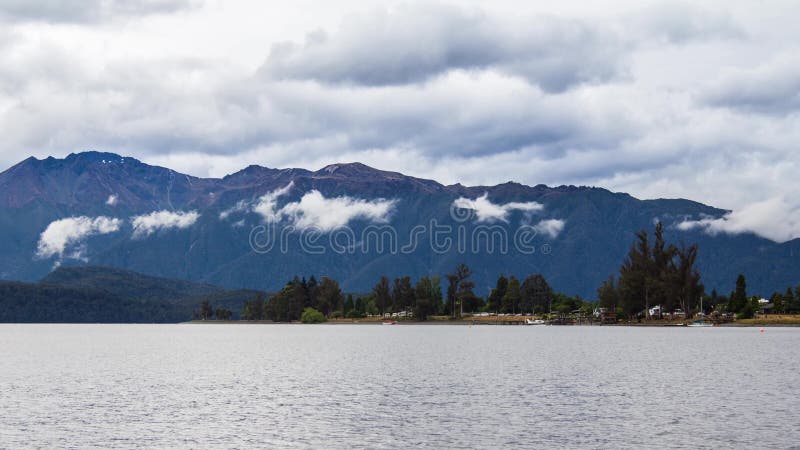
<point x="418" y="42"/>
<point x="82" y="11"/>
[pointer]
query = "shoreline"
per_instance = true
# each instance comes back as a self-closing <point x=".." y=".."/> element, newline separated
<point x="463" y="322"/>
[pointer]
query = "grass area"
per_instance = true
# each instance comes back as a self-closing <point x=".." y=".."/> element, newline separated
<point x="776" y="319"/>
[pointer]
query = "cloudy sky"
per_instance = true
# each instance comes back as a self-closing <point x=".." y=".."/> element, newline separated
<point x="659" y="99"/>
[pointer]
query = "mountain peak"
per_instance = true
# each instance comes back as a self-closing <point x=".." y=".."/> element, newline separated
<point x="353" y="169"/>
<point x="94" y="157"/>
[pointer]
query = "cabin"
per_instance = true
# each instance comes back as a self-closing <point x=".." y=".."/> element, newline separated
<point x="605" y="315"/>
<point x="655" y="312"/>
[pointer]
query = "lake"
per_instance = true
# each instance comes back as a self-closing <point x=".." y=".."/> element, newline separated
<point x="346" y="386"/>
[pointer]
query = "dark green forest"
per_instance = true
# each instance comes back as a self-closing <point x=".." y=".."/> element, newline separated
<point x="107" y="295"/>
<point x="654" y="272"/>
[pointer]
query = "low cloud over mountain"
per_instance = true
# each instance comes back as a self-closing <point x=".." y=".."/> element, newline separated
<point x="252" y="229"/>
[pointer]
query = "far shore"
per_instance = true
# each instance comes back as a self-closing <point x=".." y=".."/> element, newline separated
<point x="483" y="321"/>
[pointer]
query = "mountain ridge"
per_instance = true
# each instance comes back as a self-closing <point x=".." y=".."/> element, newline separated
<point x="589" y="229"/>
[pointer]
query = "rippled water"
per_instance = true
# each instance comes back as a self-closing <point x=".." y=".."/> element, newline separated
<point x="387" y="387"/>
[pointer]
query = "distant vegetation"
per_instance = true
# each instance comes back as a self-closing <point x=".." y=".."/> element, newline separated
<point x="660" y="274"/>
<point x="311" y="315"/>
<point x="654" y="273"/>
<point x="100" y="294"/>
<point x="665" y="275"/>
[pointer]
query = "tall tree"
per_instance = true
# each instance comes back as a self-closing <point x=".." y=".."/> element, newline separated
<point x="687" y="286"/>
<point x="312" y="289"/>
<point x="206" y="310"/>
<point x="329" y="297"/>
<point x="459" y="291"/>
<point x="636" y="275"/>
<point x="738" y="300"/>
<point x="511" y="299"/>
<point x="349" y="305"/>
<point x="788" y="298"/>
<point x="278" y="306"/>
<point x="663" y="283"/>
<point x="535" y="294"/>
<point x="429" y="297"/>
<point x="254" y="308"/>
<point x="794" y="304"/>
<point x="777" y="302"/>
<point x="299" y="299"/>
<point x="402" y="294"/>
<point x="383" y="295"/>
<point x="495" y="298"/>
<point x="452" y="293"/>
<point x="607" y="294"/>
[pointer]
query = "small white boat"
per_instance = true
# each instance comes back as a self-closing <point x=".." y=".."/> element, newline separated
<point x="389" y="322"/>
<point x="534" y="322"/>
<point x="701" y="323"/>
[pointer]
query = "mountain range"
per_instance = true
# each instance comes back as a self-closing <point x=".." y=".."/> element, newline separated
<point x="259" y="227"/>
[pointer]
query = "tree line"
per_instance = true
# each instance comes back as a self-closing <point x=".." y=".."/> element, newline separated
<point x="308" y="300"/>
<point x="661" y="274"/>
<point x="654" y="273"/>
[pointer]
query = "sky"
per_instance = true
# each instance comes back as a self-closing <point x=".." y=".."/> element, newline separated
<point x="698" y="100"/>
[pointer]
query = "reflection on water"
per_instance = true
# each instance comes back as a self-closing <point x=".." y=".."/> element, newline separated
<point x="387" y="387"/>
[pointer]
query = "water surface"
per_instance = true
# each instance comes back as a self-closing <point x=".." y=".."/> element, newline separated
<point x="344" y="386"/>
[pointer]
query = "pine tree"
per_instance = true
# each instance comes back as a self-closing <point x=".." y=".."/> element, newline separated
<point x="535" y="294"/>
<point x="496" y="296"/>
<point x="329" y="296"/>
<point x="607" y="294"/>
<point x="383" y="296"/>
<point x="402" y="294"/>
<point x="459" y="290"/>
<point x="510" y="302"/>
<point x="738" y="300"/>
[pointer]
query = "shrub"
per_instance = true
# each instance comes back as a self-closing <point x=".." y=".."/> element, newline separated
<point x="311" y="315"/>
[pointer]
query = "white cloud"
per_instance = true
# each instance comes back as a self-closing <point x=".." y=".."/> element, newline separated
<point x="81" y="11"/>
<point x="266" y="204"/>
<point x="776" y="219"/>
<point x="328" y="214"/>
<point x="377" y="49"/>
<point x="771" y="88"/>
<point x="148" y="224"/>
<point x="112" y="200"/>
<point x="240" y="206"/>
<point x="550" y="227"/>
<point x="315" y="210"/>
<point x="64" y="233"/>
<point x="486" y="211"/>
<point x="472" y="108"/>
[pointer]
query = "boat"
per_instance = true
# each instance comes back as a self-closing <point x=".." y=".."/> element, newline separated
<point x="534" y="322"/>
<point x="389" y="322"/>
<point x="701" y="322"/>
